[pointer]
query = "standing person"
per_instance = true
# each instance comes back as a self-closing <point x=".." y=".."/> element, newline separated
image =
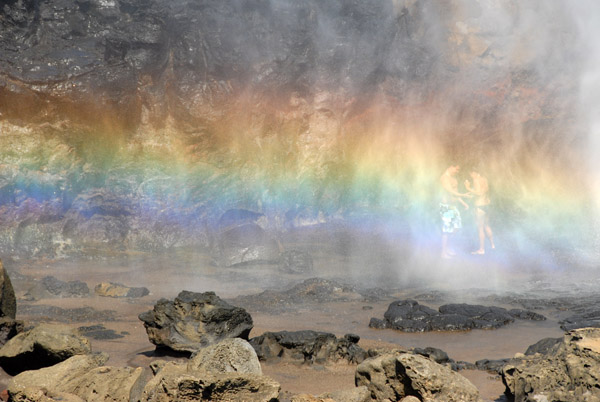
<point x="480" y="189"/>
<point x="449" y="213"/>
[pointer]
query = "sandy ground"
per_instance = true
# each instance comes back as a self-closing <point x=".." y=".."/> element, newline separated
<point x="166" y="275"/>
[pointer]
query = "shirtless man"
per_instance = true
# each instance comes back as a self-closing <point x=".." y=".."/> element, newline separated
<point x="480" y="190"/>
<point x="451" y="221"/>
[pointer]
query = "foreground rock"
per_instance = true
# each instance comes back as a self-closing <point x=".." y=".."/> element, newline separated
<point x="308" y="347"/>
<point x="85" y="378"/>
<point x="410" y="316"/>
<point x="392" y="377"/>
<point x="195" y="320"/>
<point x="232" y="355"/>
<point x="110" y="289"/>
<point x="43" y="346"/>
<point x="569" y="371"/>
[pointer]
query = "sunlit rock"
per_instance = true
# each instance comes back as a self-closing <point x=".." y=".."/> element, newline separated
<point x="567" y="371"/>
<point x="42" y="346"/>
<point x="110" y="289"/>
<point x="394" y="376"/>
<point x="233" y="355"/>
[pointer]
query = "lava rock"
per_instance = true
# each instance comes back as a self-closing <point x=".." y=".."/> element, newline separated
<point x="9" y="328"/>
<point x="194" y="320"/>
<point x="41" y="346"/>
<point x="409" y="316"/>
<point x="308" y="347"/>
<point x="247" y="243"/>
<point x="568" y="372"/>
<point x="543" y="346"/>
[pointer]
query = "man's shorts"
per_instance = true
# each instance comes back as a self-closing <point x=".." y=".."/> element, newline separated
<point x="450" y="218"/>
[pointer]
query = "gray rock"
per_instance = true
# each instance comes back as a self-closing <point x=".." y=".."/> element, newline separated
<point x="42" y="346"/>
<point x="568" y="372"/>
<point x="233" y="355"/>
<point x="295" y="262"/>
<point x="247" y="243"/>
<point x="50" y="287"/>
<point x="9" y="328"/>
<point x="194" y="320"/>
<point x="395" y="376"/>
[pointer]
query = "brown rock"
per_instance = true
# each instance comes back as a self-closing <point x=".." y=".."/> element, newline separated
<point x="8" y="303"/>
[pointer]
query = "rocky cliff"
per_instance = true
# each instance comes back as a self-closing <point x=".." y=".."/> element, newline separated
<point x="137" y="123"/>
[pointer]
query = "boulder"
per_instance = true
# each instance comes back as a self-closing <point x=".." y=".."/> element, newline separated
<point x="180" y="382"/>
<point x="308" y="347"/>
<point x="358" y="394"/>
<point x="111" y="289"/>
<point x="195" y="320"/>
<point x="569" y="371"/>
<point x="8" y="302"/>
<point x="232" y="355"/>
<point x="395" y="376"/>
<point x="410" y="316"/>
<point x="42" y="346"/>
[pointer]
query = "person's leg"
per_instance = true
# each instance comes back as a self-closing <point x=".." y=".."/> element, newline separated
<point x="480" y="219"/>
<point x="488" y="231"/>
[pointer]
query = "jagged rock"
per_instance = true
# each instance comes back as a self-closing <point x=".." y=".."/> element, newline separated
<point x="568" y="372"/>
<point x="111" y="289"/>
<point x="410" y="316"/>
<point x="41" y="346"/>
<point x="176" y="382"/>
<point x="8" y="302"/>
<point x="395" y="376"/>
<point x="9" y="328"/>
<point x="245" y="244"/>
<point x="50" y="287"/>
<point x="233" y="355"/>
<point x="308" y="347"/>
<point x="194" y="320"/>
<point x="493" y="366"/>
<point x="295" y="262"/>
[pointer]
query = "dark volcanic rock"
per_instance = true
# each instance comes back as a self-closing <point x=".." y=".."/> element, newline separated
<point x="98" y="332"/>
<point x="410" y="316"/>
<point x="543" y="346"/>
<point x="308" y="347"/>
<point x="194" y="320"/>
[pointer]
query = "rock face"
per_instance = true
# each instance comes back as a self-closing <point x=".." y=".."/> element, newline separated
<point x="395" y="376"/>
<point x="308" y="347"/>
<point x="295" y="262"/>
<point x="111" y="289"/>
<point x="42" y="346"/>
<point x="410" y="316"/>
<point x="194" y="320"/>
<point x="568" y="372"/>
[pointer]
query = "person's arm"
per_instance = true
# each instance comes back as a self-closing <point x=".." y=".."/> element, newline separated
<point x="464" y="204"/>
<point x="448" y="187"/>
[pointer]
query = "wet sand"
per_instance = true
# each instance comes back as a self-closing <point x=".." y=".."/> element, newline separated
<point x="167" y="274"/>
